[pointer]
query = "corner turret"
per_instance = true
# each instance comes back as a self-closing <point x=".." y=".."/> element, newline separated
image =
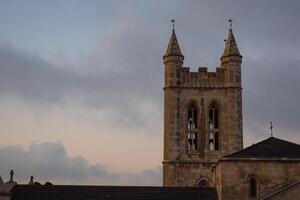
<point x="231" y="52"/>
<point x="173" y="50"/>
<point x="173" y="61"/>
<point x="231" y="61"/>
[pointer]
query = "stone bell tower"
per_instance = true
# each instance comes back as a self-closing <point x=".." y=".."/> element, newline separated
<point x="202" y="115"/>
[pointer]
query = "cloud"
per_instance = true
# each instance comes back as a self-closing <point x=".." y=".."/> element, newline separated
<point x="124" y="90"/>
<point x="122" y="75"/>
<point x="48" y="161"/>
<point x="271" y="94"/>
<point x="29" y="77"/>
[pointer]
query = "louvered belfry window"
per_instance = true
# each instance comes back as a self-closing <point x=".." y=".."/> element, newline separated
<point x="192" y="127"/>
<point x="213" y="127"/>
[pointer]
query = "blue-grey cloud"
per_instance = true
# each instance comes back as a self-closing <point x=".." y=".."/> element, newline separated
<point x="119" y="92"/>
<point x="48" y="161"/>
<point x="271" y="93"/>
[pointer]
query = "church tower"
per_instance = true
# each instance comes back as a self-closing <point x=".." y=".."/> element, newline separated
<point x="202" y="115"/>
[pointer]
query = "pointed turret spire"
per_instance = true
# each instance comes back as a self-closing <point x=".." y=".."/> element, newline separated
<point x="231" y="48"/>
<point x="173" y="48"/>
<point x="231" y="51"/>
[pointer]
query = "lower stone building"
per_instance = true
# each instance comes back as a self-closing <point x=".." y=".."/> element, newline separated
<point x="266" y="170"/>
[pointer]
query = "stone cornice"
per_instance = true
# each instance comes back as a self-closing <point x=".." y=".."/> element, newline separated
<point x="260" y="159"/>
<point x="189" y="161"/>
<point x="202" y="87"/>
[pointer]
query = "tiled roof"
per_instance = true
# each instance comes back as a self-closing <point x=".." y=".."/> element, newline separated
<point x="269" y="148"/>
<point x="71" y="192"/>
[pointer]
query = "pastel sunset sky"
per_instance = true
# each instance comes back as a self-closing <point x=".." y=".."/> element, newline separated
<point x="81" y="99"/>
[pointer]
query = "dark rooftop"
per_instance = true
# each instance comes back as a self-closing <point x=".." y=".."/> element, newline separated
<point x="269" y="148"/>
<point x="71" y="192"/>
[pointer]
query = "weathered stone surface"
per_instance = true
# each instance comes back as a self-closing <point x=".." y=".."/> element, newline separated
<point x="223" y="88"/>
<point x="233" y="176"/>
<point x="290" y="192"/>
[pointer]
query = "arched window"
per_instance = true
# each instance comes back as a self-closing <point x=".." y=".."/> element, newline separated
<point x="213" y="127"/>
<point x="203" y="183"/>
<point x="252" y="187"/>
<point x="192" y="127"/>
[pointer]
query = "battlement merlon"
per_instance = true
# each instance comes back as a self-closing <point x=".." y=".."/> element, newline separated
<point x="203" y="78"/>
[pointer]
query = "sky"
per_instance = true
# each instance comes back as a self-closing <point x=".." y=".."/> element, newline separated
<point x="81" y="81"/>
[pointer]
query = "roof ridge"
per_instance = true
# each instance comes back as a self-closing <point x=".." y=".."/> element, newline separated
<point x="284" y="140"/>
<point x="271" y="147"/>
<point x="248" y="147"/>
<point x="37" y="192"/>
<point x="114" y="186"/>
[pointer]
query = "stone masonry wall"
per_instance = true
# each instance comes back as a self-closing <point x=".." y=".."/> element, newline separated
<point x="291" y="193"/>
<point x="176" y="99"/>
<point x="231" y="177"/>
<point x="197" y="171"/>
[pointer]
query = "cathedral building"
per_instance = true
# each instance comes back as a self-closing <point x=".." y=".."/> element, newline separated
<point x="204" y="156"/>
<point x="203" y="133"/>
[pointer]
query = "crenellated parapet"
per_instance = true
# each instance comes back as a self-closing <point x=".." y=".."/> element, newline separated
<point x="202" y="78"/>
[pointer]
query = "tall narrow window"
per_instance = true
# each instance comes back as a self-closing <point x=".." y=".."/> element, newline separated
<point x="253" y="187"/>
<point x="192" y="126"/>
<point x="213" y="126"/>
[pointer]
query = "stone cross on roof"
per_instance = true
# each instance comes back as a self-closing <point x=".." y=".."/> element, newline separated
<point x="271" y="128"/>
